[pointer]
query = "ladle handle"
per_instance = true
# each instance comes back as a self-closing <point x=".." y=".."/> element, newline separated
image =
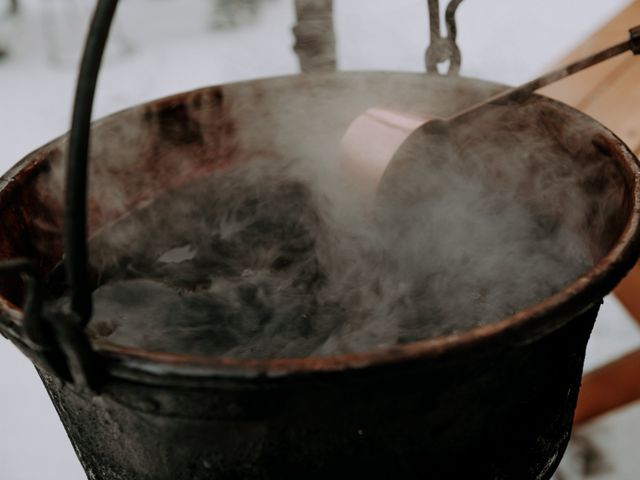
<point x="523" y="91"/>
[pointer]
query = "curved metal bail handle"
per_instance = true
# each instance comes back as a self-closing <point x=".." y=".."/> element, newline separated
<point x="75" y="210"/>
<point x="442" y="49"/>
<point x="57" y="343"/>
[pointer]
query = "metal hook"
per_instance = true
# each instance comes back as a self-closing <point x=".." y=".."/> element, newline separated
<point x="442" y="49"/>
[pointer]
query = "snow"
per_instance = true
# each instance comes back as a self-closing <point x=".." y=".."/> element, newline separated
<point x="159" y="47"/>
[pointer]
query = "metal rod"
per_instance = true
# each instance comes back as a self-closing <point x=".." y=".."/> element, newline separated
<point x="576" y="67"/>
<point x="75" y="214"/>
<point x="528" y="88"/>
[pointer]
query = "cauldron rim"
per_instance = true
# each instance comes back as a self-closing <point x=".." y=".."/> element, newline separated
<point x="523" y="327"/>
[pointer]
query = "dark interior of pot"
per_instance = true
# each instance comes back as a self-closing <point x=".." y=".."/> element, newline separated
<point x="551" y="197"/>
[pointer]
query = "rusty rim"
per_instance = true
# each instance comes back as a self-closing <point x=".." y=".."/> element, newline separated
<point x="523" y="327"/>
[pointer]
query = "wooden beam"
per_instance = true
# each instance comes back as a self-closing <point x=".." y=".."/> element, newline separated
<point x="581" y="88"/>
<point x="618" y="105"/>
<point x="613" y="386"/>
<point x="628" y="292"/>
<point x="315" y="37"/>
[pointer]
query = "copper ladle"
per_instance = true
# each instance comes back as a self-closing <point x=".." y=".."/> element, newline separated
<point x="431" y="138"/>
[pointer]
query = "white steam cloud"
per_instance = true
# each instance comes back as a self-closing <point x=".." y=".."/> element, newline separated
<point x="281" y="256"/>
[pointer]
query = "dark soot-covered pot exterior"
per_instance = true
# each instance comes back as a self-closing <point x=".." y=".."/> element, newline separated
<point x="493" y="403"/>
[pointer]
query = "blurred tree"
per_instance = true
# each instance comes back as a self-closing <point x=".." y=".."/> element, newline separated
<point x="4" y="49"/>
<point x="233" y="13"/>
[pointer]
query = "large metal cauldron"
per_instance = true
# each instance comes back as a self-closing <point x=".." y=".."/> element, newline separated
<point x="495" y="402"/>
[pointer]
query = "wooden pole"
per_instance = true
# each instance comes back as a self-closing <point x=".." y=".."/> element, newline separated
<point x="315" y="37"/>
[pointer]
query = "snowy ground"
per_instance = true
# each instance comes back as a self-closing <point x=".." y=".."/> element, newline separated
<point x="163" y="46"/>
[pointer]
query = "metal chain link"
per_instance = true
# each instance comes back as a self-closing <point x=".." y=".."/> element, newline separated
<point x="442" y="49"/>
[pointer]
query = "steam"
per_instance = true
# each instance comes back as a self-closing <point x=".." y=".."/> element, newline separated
<point x="283" y="256"/>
